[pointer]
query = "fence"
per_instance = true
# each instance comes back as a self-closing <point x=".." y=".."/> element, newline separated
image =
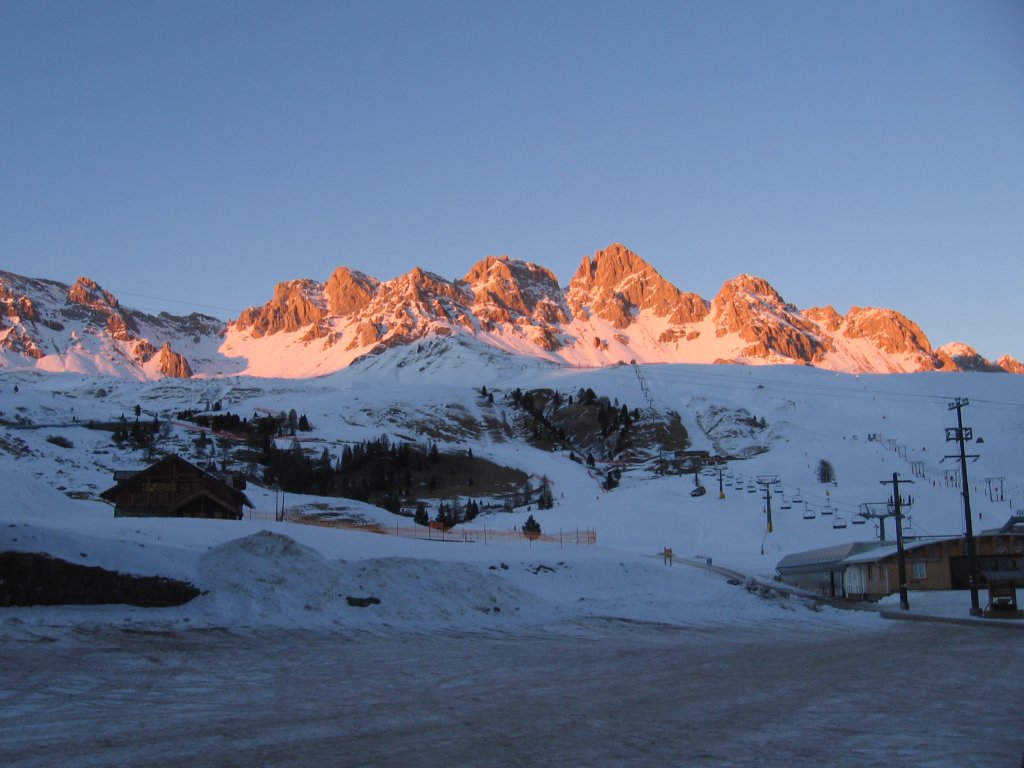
<point x="578" y="536"/>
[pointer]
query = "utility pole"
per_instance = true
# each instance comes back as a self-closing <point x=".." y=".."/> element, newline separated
<point x="897" y="505"/>
<point x="961" y="434"/>
<point x="766" y="482"/>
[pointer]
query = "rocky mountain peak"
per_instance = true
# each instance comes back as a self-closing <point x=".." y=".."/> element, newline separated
<point x="617" y="285"/>
<point x="957" y="356"/>
<point x="506" y="290"/>
<point x="349" y="291"/>
<point x="296" y="304"/>
<point x="826" y="317"/>
<point x="89" y="301"/>
<point x="891" y="332"/>
<point x="1010" y="364"/>
<point x="88" y="292"/>
<point x="751" y="308"/>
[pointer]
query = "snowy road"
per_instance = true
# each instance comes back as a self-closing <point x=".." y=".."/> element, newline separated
<point x="604" y="693"/>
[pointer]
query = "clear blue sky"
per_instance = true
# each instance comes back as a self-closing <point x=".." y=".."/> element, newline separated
<point x="867" y="153"/>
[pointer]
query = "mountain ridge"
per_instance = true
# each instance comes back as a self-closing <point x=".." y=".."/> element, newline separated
<point x="616" y="308"/>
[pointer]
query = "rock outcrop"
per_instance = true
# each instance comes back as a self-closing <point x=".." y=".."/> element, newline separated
<point x="172" y="364"/>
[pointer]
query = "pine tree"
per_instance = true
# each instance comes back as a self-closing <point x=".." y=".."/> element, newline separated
<point x="546" y="499"/>
<point x="531" y="526"/>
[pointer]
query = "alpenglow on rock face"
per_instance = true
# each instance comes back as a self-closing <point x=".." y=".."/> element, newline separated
<point x="617" y="285"/>
<point x="616" y="308"/>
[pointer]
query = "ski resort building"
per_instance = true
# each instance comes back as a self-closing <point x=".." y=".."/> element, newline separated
<point x="174" y="488"/>
<point x="870" y="570"/>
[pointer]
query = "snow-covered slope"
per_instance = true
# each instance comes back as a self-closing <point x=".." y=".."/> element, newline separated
<point x="785" y="419"/>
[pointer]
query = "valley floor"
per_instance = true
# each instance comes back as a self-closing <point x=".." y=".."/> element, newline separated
<point x="595" y="692"/>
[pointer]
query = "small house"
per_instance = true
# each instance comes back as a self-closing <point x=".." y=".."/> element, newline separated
<point x="174" y="488"/>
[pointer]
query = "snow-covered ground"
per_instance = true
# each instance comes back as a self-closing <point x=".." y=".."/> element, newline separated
<point x="503" y="651"/>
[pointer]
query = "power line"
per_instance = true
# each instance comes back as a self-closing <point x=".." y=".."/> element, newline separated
<point x="119" y="292"/>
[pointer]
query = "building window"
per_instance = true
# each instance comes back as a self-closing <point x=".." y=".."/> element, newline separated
<point x="920" y="571"/>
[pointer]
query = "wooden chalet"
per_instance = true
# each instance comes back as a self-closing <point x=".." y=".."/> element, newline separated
<point x="870" y="570"/>
<point x="174" y="488"/>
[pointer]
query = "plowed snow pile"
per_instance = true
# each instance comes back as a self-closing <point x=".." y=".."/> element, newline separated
<point x="268" y="579"/>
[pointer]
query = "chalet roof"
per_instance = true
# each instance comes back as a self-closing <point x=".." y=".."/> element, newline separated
<point x="1013" y="525"/>
<point x="819" y="559"/>
<point x="171" y="464"/>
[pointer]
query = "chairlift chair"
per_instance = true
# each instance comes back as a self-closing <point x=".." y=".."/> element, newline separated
<point x="827" y="510"/>
<point x="838" y="521"/>
<point x="858" y="520"/>
<point x="808" y="512"/>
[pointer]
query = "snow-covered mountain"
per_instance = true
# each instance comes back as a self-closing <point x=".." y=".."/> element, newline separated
<point x="82" y="328"/>
<point x="616" y="308"/>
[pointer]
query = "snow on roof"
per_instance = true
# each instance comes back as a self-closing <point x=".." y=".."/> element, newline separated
<point x="814" y="559"/>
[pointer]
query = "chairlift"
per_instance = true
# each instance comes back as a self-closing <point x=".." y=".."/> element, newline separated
<point x="808" y="512"/>
<point x="751" y="489"/>
<point x="827" y="510"/>
<point x="858" y="520"/>
<point x="797" y="498"/>
<point x="786" y="504"/>
<point x="839" y="521"/>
